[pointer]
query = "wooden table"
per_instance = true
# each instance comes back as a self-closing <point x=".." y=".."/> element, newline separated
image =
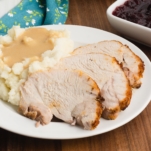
<point x="134" y="136"/>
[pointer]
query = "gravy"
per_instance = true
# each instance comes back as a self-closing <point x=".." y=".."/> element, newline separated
<point x="33" y="42"/>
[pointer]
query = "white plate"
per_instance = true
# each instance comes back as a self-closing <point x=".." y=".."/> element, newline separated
<point x="14" y="122"/>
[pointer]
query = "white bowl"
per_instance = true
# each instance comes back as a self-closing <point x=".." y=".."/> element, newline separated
<point x="131" y="30"/>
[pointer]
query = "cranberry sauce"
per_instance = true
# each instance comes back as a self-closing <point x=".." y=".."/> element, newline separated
<point x="137" y="11"/>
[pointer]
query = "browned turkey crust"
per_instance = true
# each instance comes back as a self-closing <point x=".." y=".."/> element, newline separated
<point x="98" y="115"/>
<point x="132" y="64"/>
<point x="71" y="96"/>
<point x="111" y="113"/>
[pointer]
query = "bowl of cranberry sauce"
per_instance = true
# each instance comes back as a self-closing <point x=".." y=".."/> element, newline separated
<point x="137" y="11"/>
<point x="132" y="18"/>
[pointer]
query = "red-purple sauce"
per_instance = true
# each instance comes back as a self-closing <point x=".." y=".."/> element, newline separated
<point x="137" y="11"/>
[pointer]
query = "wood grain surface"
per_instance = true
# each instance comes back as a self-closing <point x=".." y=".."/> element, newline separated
<point x="134" y="136"/>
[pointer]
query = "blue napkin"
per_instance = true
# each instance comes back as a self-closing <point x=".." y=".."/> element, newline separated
<point x="30" y="13"/>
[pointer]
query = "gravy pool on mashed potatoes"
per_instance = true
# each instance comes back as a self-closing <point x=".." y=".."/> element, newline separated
<point x="25" y="51"/>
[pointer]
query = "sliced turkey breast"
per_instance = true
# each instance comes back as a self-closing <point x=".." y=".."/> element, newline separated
<point x="132" y="65"/>
<point x="109" y="76"/>
<point x="71" y="96"/>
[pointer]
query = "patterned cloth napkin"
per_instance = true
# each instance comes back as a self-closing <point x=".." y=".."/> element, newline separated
<point x="30" y="13"/>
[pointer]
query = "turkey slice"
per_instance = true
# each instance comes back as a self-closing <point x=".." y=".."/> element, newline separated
<point x="109" y="76"/>
<point x="132" y="65"/>
<point x="71" y="96"/>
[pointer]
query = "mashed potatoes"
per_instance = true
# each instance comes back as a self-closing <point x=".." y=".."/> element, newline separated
<point x="11" y="77"/>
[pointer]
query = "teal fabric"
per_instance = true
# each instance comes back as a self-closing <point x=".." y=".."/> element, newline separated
<point x="30" y="13"/>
